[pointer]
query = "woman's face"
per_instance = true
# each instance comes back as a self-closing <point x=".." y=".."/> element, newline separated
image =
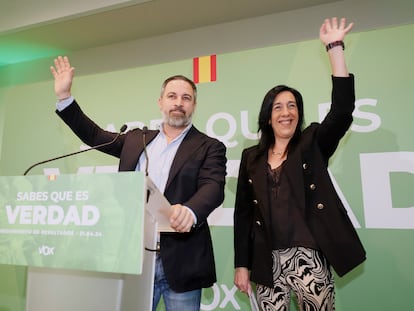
<point x="285" y="115"/>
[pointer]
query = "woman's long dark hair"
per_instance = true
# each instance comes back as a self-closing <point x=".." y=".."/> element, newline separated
<point x="267" y="138"/>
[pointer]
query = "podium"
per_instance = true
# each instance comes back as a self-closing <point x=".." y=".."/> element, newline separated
<point x="87" y="240"/>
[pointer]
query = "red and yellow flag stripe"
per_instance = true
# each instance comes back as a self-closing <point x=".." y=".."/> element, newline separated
<point x="204" y="69"/>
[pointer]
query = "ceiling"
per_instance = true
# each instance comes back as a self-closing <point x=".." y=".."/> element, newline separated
<point x="36" y="29"/>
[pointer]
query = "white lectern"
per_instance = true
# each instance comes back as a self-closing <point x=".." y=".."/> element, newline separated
<point x="50" y="289"/>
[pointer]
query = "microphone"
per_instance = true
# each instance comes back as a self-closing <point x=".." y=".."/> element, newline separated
<point x="121" y="131"/>
<point x="144" y="134"/>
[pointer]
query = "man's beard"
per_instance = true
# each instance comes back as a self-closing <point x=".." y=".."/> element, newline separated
<point x="176" y="121"/>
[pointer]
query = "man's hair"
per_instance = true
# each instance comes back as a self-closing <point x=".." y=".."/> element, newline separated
<point x="182" y="78"/>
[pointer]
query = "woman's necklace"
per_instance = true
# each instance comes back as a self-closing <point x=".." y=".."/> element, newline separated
<point x="276" y="158"/>
<point x="276" y="153"/>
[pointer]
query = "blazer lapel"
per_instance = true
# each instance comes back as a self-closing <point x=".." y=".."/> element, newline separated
<point x="294" y="172"/>
<point x="188" y="147"/>
<point x="258" y="174"/>
<point x="135" y="146"/>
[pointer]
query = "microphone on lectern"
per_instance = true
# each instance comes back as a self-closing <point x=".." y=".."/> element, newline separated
<point x="144" y="134"/>
<point x="121" y="131"/>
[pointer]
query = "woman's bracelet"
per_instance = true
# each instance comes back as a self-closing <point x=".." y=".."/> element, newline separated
<point x="335" y="43"/>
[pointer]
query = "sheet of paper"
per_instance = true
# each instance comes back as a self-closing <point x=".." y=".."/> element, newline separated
<point x="253" y="302"/>
<point x="158" y="206"/>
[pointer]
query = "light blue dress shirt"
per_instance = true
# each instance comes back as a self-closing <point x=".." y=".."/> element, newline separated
<point x="160" y="157"/>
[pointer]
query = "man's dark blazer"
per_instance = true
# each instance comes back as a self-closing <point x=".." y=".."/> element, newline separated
<point x="196" y="180"/>
<point x="313" y="192"/>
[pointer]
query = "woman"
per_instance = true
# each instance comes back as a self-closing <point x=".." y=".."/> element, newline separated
<point x="290" y="226"/>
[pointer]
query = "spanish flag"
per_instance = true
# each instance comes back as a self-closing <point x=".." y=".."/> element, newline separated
<point x="204" y="69"/>
<point x="51" y="177"/>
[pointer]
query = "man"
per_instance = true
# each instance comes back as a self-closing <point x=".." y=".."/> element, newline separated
<point x="185" y="164"/>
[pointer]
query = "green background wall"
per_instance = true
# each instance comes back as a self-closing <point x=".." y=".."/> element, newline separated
<point x="378" y="152"/>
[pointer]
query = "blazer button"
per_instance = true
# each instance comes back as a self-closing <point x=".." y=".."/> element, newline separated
<point x="305" y="166"/>
<point x="255" y="202"/>
<point x="250" y="181"/>
<point x="320" y="206"/>
<point x="312" y="186"/>
<point x="258" y="223"/>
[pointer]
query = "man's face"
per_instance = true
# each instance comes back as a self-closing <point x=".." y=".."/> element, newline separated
<point x="177" y="103"/>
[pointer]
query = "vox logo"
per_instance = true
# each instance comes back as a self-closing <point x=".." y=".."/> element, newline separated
<point x="221" y="297"/>
<point x="46" y="250"/>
